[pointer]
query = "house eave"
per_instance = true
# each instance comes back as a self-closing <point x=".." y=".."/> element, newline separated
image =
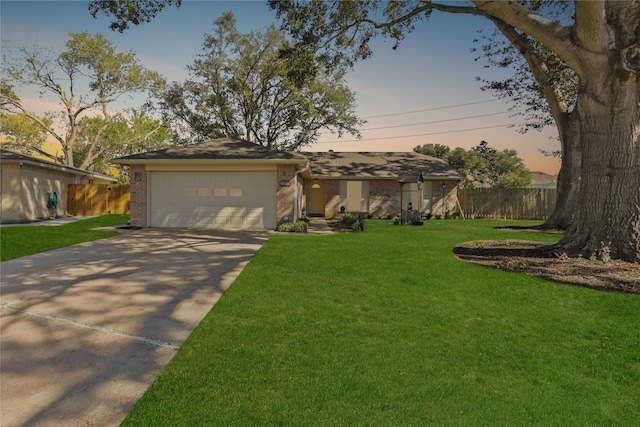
<point x="60" y="168"/>
<point x="380" y="178"/>
<point x="187" y="162"/>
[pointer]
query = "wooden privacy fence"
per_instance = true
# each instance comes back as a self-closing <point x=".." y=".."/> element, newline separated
<point x="97" y="199"/>
<point x="499" y="203"/>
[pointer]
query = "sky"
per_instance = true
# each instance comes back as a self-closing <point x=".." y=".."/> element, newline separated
<point x="424" y="92"/>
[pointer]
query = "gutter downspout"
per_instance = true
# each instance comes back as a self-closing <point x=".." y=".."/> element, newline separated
<point x="296" y="208"/>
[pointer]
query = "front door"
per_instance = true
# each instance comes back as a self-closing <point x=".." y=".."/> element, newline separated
<point x="315" y="198"/>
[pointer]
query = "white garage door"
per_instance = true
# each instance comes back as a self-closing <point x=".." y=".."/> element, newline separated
<point x="226" y="200"/>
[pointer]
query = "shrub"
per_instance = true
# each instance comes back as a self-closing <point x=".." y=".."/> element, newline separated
<point x="410" y="218"/>
<point x="299" y="226"/>
<point x="352" y="221"/>
<point x="397" y="221"/>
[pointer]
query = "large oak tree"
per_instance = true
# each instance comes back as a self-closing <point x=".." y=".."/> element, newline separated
<point x="544" y="88"/>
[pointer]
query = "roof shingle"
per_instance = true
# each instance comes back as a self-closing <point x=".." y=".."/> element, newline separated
<point x="379" y="165"/>
<point x="326" y="164"/>
<point x="215" y="149"/>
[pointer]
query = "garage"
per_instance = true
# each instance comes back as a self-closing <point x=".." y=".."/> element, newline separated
<point x="225" y="183"/>
<point x="221" y="200"/>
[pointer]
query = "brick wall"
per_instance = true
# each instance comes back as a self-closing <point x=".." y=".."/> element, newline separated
<point x="384" y="198"/>
<point x="285" y="197"/>
<point x="138" y="180"/>
<point x="332" y="198"/>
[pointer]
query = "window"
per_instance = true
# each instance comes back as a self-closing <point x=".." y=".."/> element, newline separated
<point x="354" y="195"/>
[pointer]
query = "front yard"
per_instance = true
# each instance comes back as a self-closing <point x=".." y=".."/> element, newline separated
<point x="388" y="327"/>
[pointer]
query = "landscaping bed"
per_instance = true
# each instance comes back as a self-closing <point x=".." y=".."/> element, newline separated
<point x="536" y="260"/>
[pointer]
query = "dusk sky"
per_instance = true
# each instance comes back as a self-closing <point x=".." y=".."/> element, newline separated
<point x="423" y="92"/>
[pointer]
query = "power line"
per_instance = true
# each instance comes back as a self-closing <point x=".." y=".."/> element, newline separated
<point x="432" y="109"/>
<point x="420" y="134"/>
<point x="445" y="120"/>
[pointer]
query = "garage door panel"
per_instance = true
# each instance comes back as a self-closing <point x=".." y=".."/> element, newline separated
<point x="213" y="199"/>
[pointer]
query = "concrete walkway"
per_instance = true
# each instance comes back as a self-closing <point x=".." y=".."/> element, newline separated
<point x="86" y="329"/>
<point x="61" y="220"/>
<point x="319" y="226"/>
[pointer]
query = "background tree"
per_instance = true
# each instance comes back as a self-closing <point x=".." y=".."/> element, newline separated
<point x="482" y="166"/>
<point x="125" y="135"/>
<point x="17" y="133"/>
<point x="240" y="85"/>
<point x="86" y="81"/>
<point x="600" y="45"/>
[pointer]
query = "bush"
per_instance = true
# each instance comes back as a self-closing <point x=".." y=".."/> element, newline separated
<point x="299" y="226"/>
<point x="412" y="218"/>
<point x="352" y="221"/>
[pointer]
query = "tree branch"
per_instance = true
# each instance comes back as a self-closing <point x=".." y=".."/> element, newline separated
<point x="459" y="9"/>
<point x="554" y="36"/>
<point x="538" y="68"/>
<point x="590" y="25"/>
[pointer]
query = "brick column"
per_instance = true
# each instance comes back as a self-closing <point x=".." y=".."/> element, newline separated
<point x="138" y="181"/>
<point x="285" y="197"/>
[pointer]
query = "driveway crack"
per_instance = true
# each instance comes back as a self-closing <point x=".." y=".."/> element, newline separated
<point x="147" y="340"/>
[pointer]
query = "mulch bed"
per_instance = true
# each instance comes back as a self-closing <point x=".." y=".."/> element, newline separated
<point x="534" y="259"/>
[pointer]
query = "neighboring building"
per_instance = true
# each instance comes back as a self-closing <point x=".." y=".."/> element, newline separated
<point x="543" y="180"/>
<point x="229" y="183"/>
<point x="27" y="181"/>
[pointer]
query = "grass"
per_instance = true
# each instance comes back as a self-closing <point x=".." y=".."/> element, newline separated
<point x="387" y="327"/>
<point x="19" y="241"/>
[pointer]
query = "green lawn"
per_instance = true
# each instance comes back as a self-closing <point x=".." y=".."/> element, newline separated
<point x="19" y="241"/>
<point x="387" y="327"/>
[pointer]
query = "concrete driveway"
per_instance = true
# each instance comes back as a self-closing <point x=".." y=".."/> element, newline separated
<point x="86" y="329"/>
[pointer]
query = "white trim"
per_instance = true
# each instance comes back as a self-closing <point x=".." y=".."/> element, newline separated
<point x="59" y="168"/>
<point x="239" y="167"/>
<point x="150" y="162"/>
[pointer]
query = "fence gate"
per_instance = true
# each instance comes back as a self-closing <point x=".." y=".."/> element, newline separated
<point x="97" y="199"/>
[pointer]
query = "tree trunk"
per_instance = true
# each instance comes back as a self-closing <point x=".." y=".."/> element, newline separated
<point x="607" y="223"/>
<point x="569" y="177"/>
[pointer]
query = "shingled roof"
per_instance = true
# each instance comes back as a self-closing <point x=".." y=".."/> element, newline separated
<point x="331" y="164"/>
<point x="379" y="165"/>
<point x="7" y="156"/>
<point x="215" y="149"/>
